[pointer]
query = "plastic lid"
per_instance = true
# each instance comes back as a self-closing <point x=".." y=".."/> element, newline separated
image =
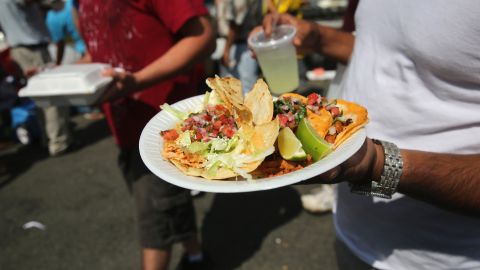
<point x="282" y="35"/>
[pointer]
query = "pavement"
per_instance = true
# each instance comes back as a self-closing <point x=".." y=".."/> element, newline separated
<point x="81" y="216"/>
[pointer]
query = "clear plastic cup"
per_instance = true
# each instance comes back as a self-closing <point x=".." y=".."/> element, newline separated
<point x="277" y="58"/>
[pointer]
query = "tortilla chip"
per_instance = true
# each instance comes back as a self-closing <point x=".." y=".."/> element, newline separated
<point x="260" y="102"/>
<point x="265" y="135"/>
<point x="212" y="83"/>
<point x="231" y="89"/>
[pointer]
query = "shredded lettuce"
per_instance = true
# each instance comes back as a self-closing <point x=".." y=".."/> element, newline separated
<point x="234" y="161"/>
<point x="219" y="144"/>
<point x="184" y="139"/>
<point x="212" y="171"/>
<point x="177" y="113"/>
<point x="211" y="98"/>
<point x="198" y="147"/>
<point x="232" y="143"/>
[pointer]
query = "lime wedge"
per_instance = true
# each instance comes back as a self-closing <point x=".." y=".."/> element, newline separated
<point x="313" y="144"/>
<point x="290" y="147"/>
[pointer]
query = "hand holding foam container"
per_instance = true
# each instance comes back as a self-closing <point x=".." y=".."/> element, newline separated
<point x="80" y="84"/>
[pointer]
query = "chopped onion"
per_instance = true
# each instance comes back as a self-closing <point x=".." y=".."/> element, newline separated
<point x="332" y="130"/>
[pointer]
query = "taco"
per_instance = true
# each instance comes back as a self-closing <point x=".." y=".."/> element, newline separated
<point x="229" y="136"/>
<point x="335" y="120"/>
<point x="321" y="120"/>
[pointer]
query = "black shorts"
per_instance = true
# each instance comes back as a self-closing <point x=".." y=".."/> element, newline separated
<point x="165" y="212"/>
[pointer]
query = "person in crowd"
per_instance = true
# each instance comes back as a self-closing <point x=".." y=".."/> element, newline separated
<point x="61" y="25"/>
<point x="236" y="18"/>
<point x="157" y="48"/>
<point x="28" y="38"/>
<point x="414" y="67"/>
<point x="63" y="30"/>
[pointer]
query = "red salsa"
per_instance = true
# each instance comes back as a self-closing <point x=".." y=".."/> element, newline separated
<point x="290" y="111"/>
<point x="315" y="103"/>
<point x="214" y="122"/>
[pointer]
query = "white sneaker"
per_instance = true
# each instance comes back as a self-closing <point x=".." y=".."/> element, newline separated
<point x="195" y="193"/>
<point x="320" y="200"/>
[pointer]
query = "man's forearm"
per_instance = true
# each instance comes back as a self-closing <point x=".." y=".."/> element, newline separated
<point x="196" y="45"/>
<point x="335" y="44"/>
<point x="449" y="181"/>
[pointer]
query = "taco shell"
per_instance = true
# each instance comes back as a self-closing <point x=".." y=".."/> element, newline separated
<point x="357" y="113"/>
<point x="322" y="121"/>
<point x="297" y="96"/>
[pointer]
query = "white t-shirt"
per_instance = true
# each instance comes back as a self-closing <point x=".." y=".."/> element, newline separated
<point x="416" y="68"/>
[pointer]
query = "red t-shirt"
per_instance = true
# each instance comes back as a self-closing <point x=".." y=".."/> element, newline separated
<point x="132" y="34"/>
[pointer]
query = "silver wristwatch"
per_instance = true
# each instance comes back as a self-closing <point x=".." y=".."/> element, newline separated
<point x="392" y="171"/>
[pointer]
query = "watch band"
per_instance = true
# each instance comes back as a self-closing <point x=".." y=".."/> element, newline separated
<point x="392" y="171"/>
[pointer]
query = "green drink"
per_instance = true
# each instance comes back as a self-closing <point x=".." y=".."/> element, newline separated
<point x="277" y="58"/>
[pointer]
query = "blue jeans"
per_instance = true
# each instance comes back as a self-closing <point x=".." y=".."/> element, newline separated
<point x="244" y="66"/>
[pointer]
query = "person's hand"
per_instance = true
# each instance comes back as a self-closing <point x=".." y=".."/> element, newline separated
<point x="29" y="72"/>
<point x="124" y="82"/>
<point x="306" y="40"/>
<point x="364" y="166"/>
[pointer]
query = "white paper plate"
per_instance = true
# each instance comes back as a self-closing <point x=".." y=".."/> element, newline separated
<point x="151" y="145"/>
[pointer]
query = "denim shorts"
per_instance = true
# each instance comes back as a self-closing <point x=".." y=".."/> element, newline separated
<point x="165" y="213"/>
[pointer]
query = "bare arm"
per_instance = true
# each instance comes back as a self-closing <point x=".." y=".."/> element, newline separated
<point x="449" y="181"/>
<point x="60" y="51"/>
<point x="196" y="43"/>
<point x="335" y="44"/>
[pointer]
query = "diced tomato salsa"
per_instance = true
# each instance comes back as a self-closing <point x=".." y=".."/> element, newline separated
<point x="215" y="121"/>
<point x="290" y="111"/>
<point x="315" y="103"/>
<point x="169" y="135"/>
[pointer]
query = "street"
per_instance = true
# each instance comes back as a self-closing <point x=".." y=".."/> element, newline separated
<point x="85" y="217"/>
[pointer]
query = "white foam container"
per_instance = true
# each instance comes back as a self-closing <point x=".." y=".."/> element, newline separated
<point x="80" y="84"/>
